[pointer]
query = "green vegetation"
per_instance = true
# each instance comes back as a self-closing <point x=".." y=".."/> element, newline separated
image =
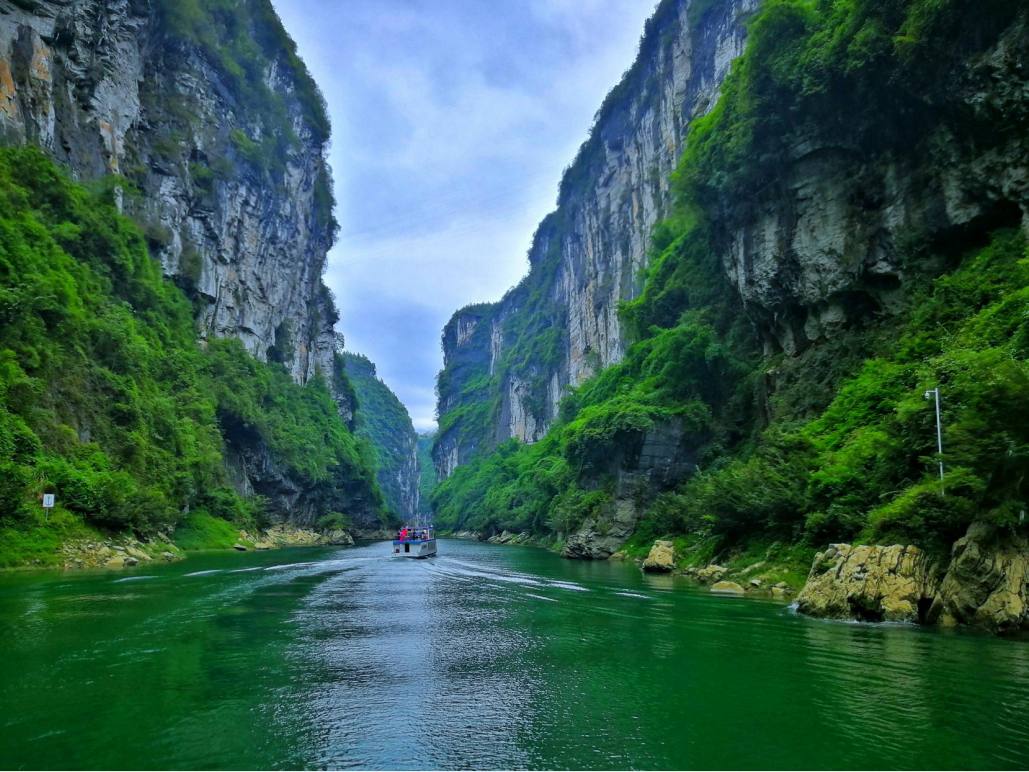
<point x="201" y="531"/>
<point x="384" y="422"/>
<point x="844" y="449"/>
<point x="106" y="398"/>
<point x="426" y="470"/>
<point x="335" y="521"/>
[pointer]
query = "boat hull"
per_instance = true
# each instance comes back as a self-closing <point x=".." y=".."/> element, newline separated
<point x="425" y="548"/>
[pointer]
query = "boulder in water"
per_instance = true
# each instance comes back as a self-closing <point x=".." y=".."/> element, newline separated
<point x="728" y="588"/>
<point x="987" y="584"/>
<point x="869" y="583"/>
<point x="661" y="557"/>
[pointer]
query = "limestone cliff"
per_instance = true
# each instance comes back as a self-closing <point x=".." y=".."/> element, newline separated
<point x="119" y="88"/>
<point x="208" y="128"/>
<point x="383" y="420"/>
<point x="515" y="358"/>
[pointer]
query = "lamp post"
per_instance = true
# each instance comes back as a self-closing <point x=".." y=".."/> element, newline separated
<point x="929" y="394"/>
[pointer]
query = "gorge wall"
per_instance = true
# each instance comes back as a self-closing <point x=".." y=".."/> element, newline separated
<point x="383" y="420"/>
<point x="207" y="129"/>
<point x="507" y="364"/>
<point x="234" y="196"/>
<point x="845" y="228"/>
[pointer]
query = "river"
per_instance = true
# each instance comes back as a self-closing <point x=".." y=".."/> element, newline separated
<point x="483" y="657"/>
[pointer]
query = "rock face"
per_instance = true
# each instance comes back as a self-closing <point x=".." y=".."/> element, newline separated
<point x="383" y="420"/>
<point x="661" y="557"/>
<point x="104" y="88"/>
<point x="870" y="583"/>
<point x="466" y="344"/>
<point x="819" y="247"/>
<point x="222" y="166"/>
<point x="824" y="248"/>
<point x="987" y="584"/>
<point x="602" y="535"/>
<point x="587" y="255"/>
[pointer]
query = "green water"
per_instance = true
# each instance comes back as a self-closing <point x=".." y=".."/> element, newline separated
<point x="483" y="657"/>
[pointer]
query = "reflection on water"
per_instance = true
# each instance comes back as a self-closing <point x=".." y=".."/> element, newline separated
<point x="482" y="657"/>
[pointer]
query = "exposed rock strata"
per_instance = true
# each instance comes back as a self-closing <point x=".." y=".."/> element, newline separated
<point x="822" y="248"/>
<point x="986" y="584"/>
<point x="97" y="85"/>
<point x="869" y="583"/>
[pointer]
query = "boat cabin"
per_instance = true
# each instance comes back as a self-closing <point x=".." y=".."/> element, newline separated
<point x="415" y="542"/>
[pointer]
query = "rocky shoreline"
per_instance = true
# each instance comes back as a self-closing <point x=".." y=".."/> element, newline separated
<point x="123" y="552"/>
<point x="756" y="578"/>
<point x="985" y="585"/>
<point x="128" y="551"/>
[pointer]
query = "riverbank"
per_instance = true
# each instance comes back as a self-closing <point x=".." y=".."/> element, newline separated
<point x="983" y="583"/>
<point x="759" y="568"/>
<point x="84" y="548"/>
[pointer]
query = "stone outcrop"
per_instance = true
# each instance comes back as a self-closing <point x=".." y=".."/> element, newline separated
<point x="119" y="552"/>
<point x="506" y="537"/>
<point x="600" y="536"/>
<point x="987" y="584"/>
<point x="870" y="583"/>
<point x="469" y="535"/>
<point x="710" y="573"/>
<point x="661" y="557"/>
<point x="279" y="536"/>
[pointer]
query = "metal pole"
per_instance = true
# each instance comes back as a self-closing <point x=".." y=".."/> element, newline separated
<point x="939" y="436"/>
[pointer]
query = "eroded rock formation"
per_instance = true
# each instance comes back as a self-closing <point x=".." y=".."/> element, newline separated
<point x="870" y="583"/>
<point x="986" y="584"/>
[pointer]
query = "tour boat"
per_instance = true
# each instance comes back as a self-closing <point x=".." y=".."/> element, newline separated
<point x="415" y="542"/>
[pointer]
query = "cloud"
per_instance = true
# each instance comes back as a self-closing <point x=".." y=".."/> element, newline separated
<point x="453" y="120"/>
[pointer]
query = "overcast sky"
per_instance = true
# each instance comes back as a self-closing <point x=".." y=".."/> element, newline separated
<point x="452" y="121"/>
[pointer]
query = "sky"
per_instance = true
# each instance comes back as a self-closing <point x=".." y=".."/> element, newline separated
<point x="452" y="122"/>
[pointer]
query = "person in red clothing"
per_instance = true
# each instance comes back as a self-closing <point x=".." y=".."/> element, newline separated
<point x="403" y="533"/>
